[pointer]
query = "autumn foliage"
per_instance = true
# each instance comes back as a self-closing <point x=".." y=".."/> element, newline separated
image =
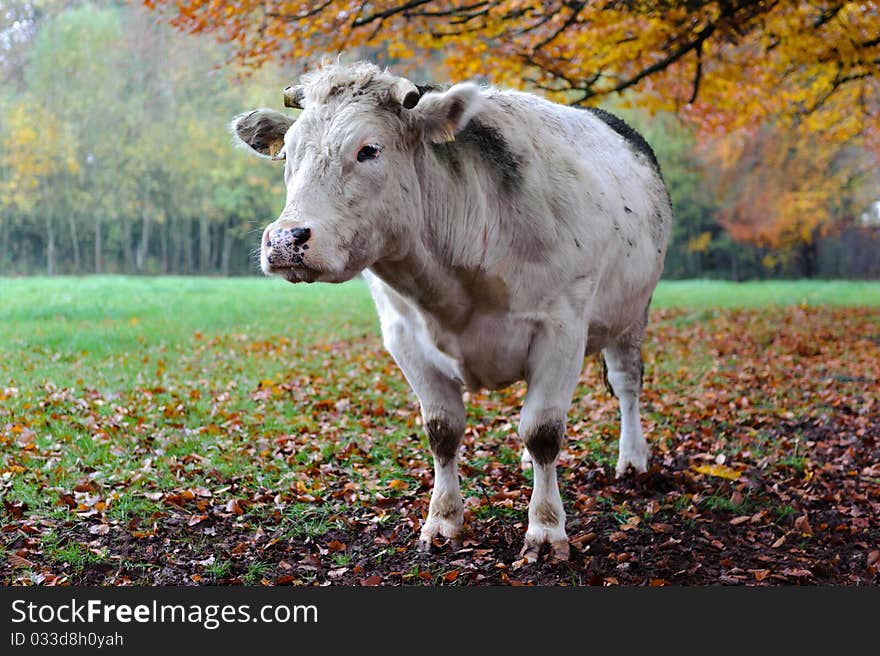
<point x="726" y="64"/>
<point x="808" y="70"/>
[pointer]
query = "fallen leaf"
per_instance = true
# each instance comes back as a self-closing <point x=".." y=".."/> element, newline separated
<point x="719" y="471"/>
<point x="196" y="519"/>
<point x="18" y="561"/>
<point x="802" y="524"/>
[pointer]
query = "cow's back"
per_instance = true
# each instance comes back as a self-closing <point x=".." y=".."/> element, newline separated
<point x="593" y="205"/>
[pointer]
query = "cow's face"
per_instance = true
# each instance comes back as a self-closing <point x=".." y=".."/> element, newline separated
<point x="353" y="192"/>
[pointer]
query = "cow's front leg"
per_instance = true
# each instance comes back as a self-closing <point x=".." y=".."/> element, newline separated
<point x="443" y="417"/>
<point x="555" y="362"/>
<point x="444" y="427"/>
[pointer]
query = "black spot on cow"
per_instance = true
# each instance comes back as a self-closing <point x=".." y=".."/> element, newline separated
<point x="633" y="138"/>
<point x="544" y="441"/>
<point x="490" y="143"/>
<point x="443" y="438"/>
<point x="486" y="142"/>
<point x="448" y="154"/>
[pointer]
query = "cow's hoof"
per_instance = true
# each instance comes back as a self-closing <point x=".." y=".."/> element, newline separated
<point x="525" y="462"/>
<point x="531" y="551"/>
<point x="638" y="461"/>
<point x="426" y="546"/>
<point x="444" y="528"/>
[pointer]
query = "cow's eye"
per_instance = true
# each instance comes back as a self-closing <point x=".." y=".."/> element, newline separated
<point x="370" y="151"/>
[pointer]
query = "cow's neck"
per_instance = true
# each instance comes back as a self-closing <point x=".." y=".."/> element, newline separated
<point x="441" y="264"/>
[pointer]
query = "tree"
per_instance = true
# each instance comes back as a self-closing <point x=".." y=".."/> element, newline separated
<point x="736" y="71"/>
<point x="115" y="141"/>
<point x="724" y="63"/>
<point x="36" y="151"/>
<point x="782" y="190"/>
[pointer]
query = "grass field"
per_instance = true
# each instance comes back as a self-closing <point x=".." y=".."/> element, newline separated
<point x="187" y="430"/>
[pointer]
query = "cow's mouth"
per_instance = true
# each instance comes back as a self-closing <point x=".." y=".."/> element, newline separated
<point x="296" y="274"/>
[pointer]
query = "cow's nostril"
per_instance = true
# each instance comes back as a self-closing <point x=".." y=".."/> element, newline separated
<point x="300" y="235"/>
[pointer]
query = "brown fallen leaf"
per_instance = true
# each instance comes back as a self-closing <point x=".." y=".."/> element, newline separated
<point x="802" y="524"/>
<point x="742" y="519"/>
<point x="372" y="580"/>
<point x="336" y="545"/>
<point x="17" y="561"/>
<point x="450" y="576"/>
<point x="196" y="519"/>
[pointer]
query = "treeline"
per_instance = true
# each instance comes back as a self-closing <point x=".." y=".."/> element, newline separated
<point x="115" y="157"/>
<point x="114" y="150"/>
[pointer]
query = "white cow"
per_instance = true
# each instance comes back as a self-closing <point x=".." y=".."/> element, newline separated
<point x="503" y="237"/>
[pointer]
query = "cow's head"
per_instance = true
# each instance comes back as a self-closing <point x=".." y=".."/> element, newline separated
<point x="350" y="166"/>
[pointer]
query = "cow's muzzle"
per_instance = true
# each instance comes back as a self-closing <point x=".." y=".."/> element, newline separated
<point x="285" y="247"/>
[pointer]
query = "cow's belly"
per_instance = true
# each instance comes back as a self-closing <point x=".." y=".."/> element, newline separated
<point x="491" y="352"/>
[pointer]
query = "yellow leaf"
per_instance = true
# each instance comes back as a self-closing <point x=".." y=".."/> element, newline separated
<point x="720" y="471"/>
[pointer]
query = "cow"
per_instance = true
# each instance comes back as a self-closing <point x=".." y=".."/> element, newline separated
<point x="503" y="238"/>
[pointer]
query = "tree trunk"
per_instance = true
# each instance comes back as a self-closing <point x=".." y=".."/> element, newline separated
<point x="163" y="245"/>
<point x="204" y="244"/>
<point x="226" y="253"/>
<point x="187" y="246"/>
<point x="809" y="259"/>
<point x="127" y="254"/>
<point x="74" y="241"/>
<point x="99" y="246"/>
<point x="50" y="247"/>
<point x="4" y="244"/>
<point x="143" y="247"/>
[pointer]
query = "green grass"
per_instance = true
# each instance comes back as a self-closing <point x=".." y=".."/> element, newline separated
<point x="703" y="294"/>
<point x="112" y="328"/>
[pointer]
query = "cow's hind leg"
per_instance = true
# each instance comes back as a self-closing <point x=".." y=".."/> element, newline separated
<point x="624" y="362"/>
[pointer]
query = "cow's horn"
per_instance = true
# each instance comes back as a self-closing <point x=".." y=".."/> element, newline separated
<point x="406" y="93"/>
<point x="293" y="96"/>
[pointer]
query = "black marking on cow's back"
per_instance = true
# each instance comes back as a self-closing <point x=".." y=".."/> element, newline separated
<point x="482" y="140"/>
<point x="625" y="130"/>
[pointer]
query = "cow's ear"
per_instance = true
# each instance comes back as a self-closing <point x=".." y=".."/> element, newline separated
<point x="443" y="115"/>
<point x="262" y="130"/>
